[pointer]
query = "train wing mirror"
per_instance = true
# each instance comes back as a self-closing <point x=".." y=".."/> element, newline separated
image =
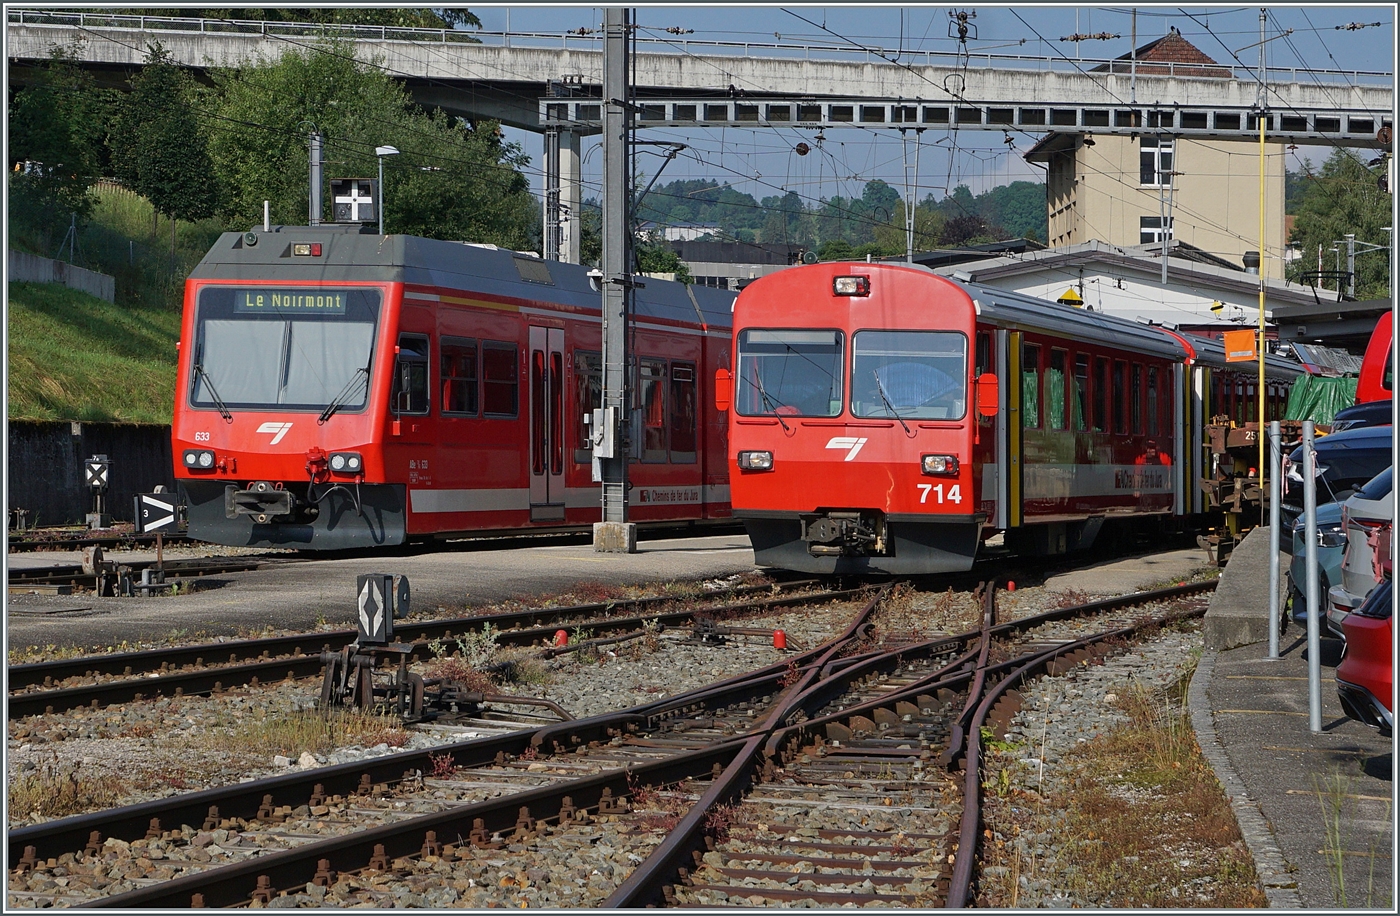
<point x="988" y="394"/>
<point x="724" y="389"/>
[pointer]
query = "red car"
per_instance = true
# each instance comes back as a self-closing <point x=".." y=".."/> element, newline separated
<point x="1366" y="672"/>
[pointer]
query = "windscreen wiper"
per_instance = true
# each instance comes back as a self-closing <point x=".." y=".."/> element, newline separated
<point x="199" y="372"/>
<point x="769" y="402"/>
<point x="339" y="400"/>
<point x="886" y="398"/>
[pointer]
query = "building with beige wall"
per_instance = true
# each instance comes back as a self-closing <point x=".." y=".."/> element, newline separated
<point x="1121" y="189"/>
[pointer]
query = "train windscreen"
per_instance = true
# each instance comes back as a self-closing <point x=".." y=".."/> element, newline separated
<point x="912" y="375"/>
<point x="791" y="372"/>
<point x="298" y="348"/>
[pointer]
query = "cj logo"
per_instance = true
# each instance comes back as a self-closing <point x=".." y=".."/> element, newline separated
<point x="850" y="443"/>
<point x="278" y="430"/>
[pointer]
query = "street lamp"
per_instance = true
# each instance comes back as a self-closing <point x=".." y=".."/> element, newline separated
<point x="381" y="152"/>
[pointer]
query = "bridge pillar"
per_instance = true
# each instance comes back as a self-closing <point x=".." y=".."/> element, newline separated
<point x="563" y="195"/>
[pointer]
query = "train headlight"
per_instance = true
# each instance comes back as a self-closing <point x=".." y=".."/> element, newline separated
<point x="756" y="461"/>
<point x="346" y="462"/>
<point x="851" y="286"/>
<point x="198" y="458"/>
<point x="940" y="465"/>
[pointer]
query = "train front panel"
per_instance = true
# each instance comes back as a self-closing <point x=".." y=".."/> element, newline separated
<point x="852" y="420"/>
<point x="281" y="395"/>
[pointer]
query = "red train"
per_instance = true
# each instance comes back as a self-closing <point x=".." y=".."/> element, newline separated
<point x="887" y="419"/>
<point x="339" y="389"/>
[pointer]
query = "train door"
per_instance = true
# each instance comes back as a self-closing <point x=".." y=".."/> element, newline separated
<point x="546" y="360"/>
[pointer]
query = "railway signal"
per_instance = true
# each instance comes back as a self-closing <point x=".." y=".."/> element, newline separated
<point x="154" y="512"/>
<point x="95" y="475"/>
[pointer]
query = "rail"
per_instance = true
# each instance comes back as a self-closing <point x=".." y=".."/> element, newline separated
<point x="586" y="39"/>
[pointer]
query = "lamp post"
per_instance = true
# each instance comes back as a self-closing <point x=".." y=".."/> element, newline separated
<point x="380" y="152"/>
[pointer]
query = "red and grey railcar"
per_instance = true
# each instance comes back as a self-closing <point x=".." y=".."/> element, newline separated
<point x="885" y="419"/>
<point x="339" y="389"/>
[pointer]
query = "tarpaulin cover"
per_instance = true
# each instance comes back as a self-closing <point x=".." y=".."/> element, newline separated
<point x="1316" y="398"/>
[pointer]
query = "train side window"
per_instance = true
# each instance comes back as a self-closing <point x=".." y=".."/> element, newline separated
<point x="1120" y="394"/>
<point x="1101" y="394"/>
<point x="458" y="376"/>
<point x="984" y="353"/>
<point x="588" y="397"/>
<point x="1080" y="399"/>
<point x="410" y="393"/>
<point x="682" y="413"/>
<point x="1251" y="403"/>
<point x="1030" y="386"/>
<point x="500" y="382"/>
<point x="1153" y="426"/>
<point x="1056" y="385"/>
<point x="653" y="392"/>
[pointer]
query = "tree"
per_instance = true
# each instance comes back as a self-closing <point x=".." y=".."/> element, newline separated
<point x="661" y="258"/>
<point x="56" y="127"/>
<point x="451" y="180"/>
<point x="1340" y="198"/>
<point x="158" y="148"/>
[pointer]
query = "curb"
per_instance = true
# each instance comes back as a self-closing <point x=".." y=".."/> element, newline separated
<point x="1279" y="886"/>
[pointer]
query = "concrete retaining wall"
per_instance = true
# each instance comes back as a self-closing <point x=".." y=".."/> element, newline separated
<point x="31" y="268"/>
<point x="46" y="467"/>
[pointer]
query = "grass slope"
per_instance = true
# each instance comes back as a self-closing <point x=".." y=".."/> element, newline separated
<point x="76" y="357"/>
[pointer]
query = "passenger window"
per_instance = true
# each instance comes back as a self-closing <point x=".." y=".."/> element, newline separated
<point x="1055" y="386"/>
<point x="458" y="376"/>
<point x="1120" y="392"/>
<point x="500" y="381"/>
<point x="682" y="413"/>
<point x="1153" y="425"/>
<point x="653" y="392"/>
<point x="410" y="392"/>
<point x="588" y="397"/>
<point x="1101" y="394"/>
<point x="984" y="353"/>
<point x="1135" y="399"/>
<point x="1081" y="391"/>
<point x="1030" y="386"/>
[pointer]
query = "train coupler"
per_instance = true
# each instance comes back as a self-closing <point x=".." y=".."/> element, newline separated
<point x="845" y="533"/>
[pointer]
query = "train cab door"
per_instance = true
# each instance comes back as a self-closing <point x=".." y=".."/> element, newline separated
<point x="546" y="362"/>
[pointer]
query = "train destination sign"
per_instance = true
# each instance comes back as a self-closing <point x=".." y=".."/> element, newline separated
<point x="281" y="301"/>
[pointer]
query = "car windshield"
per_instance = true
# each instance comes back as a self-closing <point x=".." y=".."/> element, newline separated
<point x="792" y="372"/>
<point x="296" y="348"/>
<point x="912" y="375"/>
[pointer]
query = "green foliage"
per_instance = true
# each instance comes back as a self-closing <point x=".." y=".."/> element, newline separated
<point x="56" y="126"/>
<point x="158" y="150"/>
<point x="407" y="18"/>
<point x="1344" y="197"/>
<point x="451" y="179"/>
<point x="75" y="357"/>
<point x="661" y="258"/>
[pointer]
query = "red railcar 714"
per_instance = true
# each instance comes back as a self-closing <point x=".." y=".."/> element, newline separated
<point x="339" y="389"/>
<point x="887" y="419"/>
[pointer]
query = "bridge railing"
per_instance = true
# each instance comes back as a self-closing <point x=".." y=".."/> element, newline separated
<point x="587" y="39"/>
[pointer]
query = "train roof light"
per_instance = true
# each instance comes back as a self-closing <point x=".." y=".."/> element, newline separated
<point x="306" y="249"/>
<point x="851" y="286"/>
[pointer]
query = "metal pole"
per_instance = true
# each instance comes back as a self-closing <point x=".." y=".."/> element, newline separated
<point x="1351" y="265"/>
<point x="1275" y="447"/>
<point x="1263" y="250"/>
<point x="314" y="202"/>
<point x="551" y="194"/>
<point x="611" y="426"/>
<point x="1133" y="79"/>
<point x="380" y="202"/>
<point x="1313" y="587"/>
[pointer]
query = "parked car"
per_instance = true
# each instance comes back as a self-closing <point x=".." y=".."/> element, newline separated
<point x="1367" y="520"/>
<point x="1345" y="461"/>
<point x="1367" y="669"/>
<point x="1358" y="416"/>
<point x="1331" y="541"/>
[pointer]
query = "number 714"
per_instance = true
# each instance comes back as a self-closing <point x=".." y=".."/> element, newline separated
<point x="954" y="493"/>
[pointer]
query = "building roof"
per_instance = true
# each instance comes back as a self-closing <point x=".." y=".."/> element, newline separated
<point x="1205" y="268"/>
<point x="943" y="257"/>
<point x="1180" y="57"/>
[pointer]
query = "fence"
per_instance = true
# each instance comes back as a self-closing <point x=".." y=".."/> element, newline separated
<point x="35" y="269"/>
<point x="46" y="467"/>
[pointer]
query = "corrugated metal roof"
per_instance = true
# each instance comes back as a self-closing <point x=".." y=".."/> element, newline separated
<point x="1327" y="360"/>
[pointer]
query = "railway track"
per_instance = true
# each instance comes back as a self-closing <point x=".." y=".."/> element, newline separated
<point x="101" y="680"/>
<point x="885" y="727"/>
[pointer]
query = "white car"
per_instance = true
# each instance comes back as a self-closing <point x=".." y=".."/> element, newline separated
<point x="1368" y="520"/>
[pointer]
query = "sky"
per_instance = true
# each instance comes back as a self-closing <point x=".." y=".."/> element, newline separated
<point x="762" y="162"/>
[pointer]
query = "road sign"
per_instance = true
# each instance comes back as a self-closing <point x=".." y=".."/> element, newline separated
<point x="155" y="512"/>
<point x="374" y="594"/>
<point x="95" y="472"/>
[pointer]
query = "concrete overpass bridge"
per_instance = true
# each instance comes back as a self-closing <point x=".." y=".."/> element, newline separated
<point x="516" y="79"/>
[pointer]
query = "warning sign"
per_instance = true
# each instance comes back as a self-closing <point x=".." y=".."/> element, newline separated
<point x="1239" y="346"/>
